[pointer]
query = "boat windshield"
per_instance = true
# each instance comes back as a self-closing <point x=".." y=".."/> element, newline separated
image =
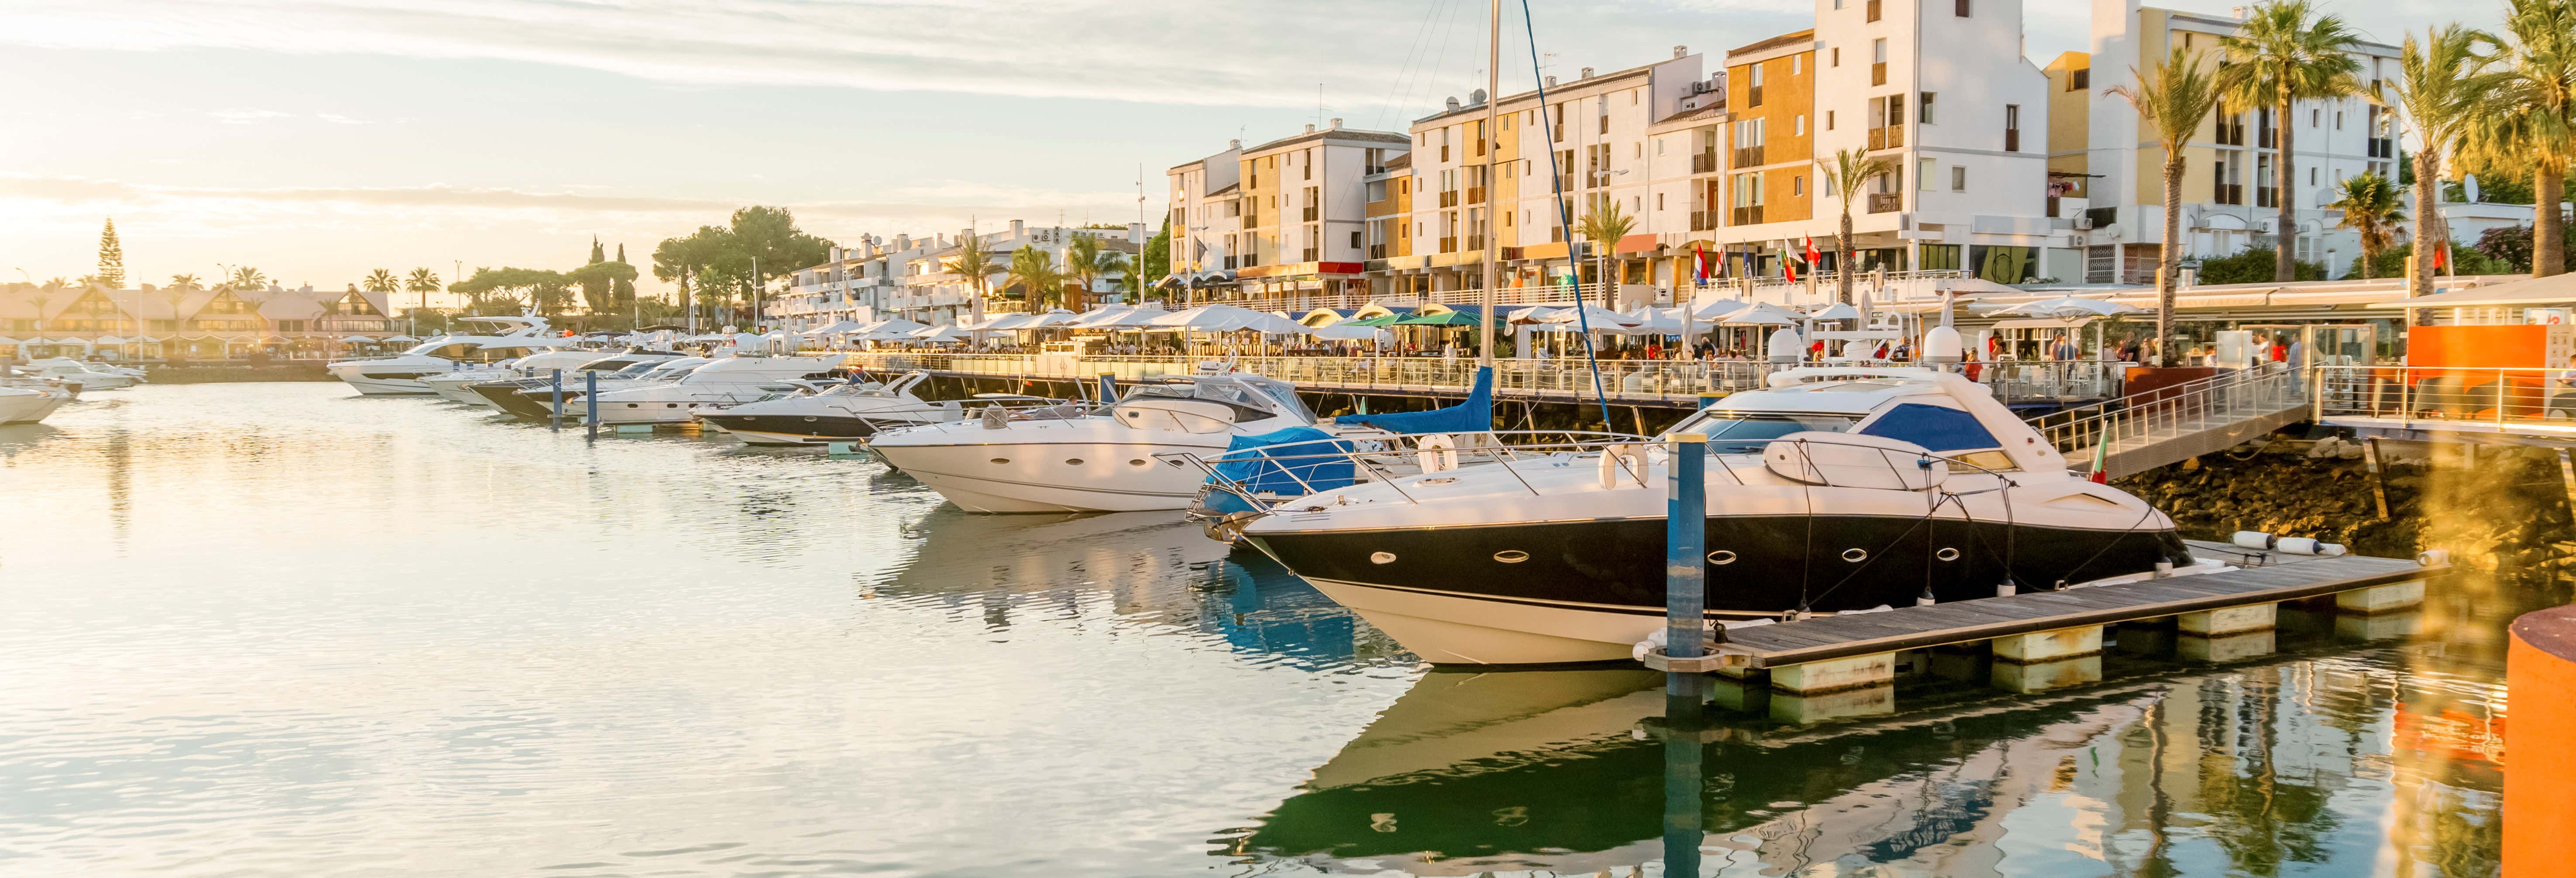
<point x="1735" y="432"/>
<point x="637" y="370"/>
<point x="667" y="373"/>
<point x="1227" y="392"/>
<point x="425" y="347"/>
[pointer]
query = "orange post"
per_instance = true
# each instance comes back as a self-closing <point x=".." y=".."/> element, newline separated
<point x="2540" y="774"/>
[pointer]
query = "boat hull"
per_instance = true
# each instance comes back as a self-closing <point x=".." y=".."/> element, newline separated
<point x="1589" y="590"/>
<point x="792" y="429"/>
<point x="1052" y="476"/>
<point x="29" y="408"/>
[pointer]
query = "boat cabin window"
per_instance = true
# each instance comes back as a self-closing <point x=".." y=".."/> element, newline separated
<point x="1936" y="428"/>
<point x="1248" y="405"/>
<point x="1734" y="432"/>
<point x="639" y="369"/>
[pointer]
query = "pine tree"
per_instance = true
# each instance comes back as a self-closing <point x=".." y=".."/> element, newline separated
<point x="596" y="257"/>
<point x="111" y="258"/>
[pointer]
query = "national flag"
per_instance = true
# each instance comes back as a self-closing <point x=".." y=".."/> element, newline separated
<point x="2441" y="257"/>
<point x="1813" y="257"/>
<point x="2101" y="459"/>
<point x="1788" y="268"/>
<point x="1699" y="263"/>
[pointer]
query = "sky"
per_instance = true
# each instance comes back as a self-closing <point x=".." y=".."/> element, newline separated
<point x="319" y="139"/>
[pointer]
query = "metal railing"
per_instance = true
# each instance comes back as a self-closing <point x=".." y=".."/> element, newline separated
<point x="2438" y="398"/>
<point x="2144" y="418"/>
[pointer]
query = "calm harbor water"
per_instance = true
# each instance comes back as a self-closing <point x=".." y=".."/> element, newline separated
<point x="279" y="629"/>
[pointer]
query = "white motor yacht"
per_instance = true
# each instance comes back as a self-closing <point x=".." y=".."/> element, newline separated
<point x="1071" y="459"/>
<point x="1832" y="489"/>
<point x="526" y="389"/>
<point x="400" y="374"/>
<point x="841" y="413"/>
<point x="27" y="405"/>
<point x="710" y="387"/>
<point x="90" y="376"/>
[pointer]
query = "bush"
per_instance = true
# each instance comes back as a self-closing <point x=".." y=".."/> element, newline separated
<point x="2251" y="265"/>
<point x="2464" y="260"/>
<point x="2510" y="245"/>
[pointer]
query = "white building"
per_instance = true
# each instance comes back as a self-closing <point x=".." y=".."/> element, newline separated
<point x="916" y="278"/>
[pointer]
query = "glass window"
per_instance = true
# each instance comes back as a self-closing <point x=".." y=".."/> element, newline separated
<point x="1735" y="432"/>
<point x="1936" y="428"/>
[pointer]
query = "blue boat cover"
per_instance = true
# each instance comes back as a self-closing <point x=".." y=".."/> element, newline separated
<point x="1476" y="415"/>
<point x="1320" y="466"/>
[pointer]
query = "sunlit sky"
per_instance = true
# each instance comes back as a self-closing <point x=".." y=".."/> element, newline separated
<point x="317" y="139"/>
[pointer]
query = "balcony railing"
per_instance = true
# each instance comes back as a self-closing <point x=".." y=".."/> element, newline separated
<point x="1310" y="213"/>
<point x="1377" y="251"/>
<point x="1449" y="198"/>
<point x="1449" y="244"/>
<point x="1890" y="137"/>
<point x="2383" y="147"/>
<point x="1877" y="70"/>
<point x="1886" y="202"/>
<point x="2228" y="193"/>
<point x="1703" y="220"/>
<point x="1747" y="156"/>
<point x="2267" y="196"/>
<point x="1746" y="216"/>
<point x="1476" y="195"/>
<point x="1705" y="162"/>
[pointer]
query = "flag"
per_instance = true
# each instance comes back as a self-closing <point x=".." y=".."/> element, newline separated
<point x="1788" y="269"/>
<point x="2441" y="257"/>
<point x="2101" y="454"/>
<point x="1812" y="256"/>
<point x="1699" y="263"/>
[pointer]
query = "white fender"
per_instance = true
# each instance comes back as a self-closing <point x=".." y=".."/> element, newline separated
<point x="1436" y="452"/>
<point x="1611" y="469"/>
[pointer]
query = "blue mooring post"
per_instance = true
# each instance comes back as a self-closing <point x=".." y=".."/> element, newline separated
<point x="1108" y="388"/>
<point x="590" y="401"/>
<point x="1685" y="550"/>
<point x="1709" y="399"/>
<point x="555" y="421"/>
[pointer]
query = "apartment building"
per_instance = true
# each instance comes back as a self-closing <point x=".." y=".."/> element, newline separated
<point x="2230" y="200"/>
<point x="917" y="278"/>
<point x="1287" y="220"/>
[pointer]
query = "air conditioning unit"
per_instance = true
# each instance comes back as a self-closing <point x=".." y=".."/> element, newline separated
<point x="1701" y="87"/>
<point x="2084" y="223"/>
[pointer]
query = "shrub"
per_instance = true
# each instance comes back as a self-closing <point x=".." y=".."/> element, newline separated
<point x="2251" y="265"/>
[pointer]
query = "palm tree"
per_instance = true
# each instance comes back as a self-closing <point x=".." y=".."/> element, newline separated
<point x="2533" y="129"/>
<point x="2286" y="52"/>
<point x="1850" y="170"/>
<point x="2370" y="206"/>
<point x="2173" y="102"/>
<point x="184" y="282"/>
<point x="2443" y="85"/>
<point x="977" y="263"/>
<point x="1035" y="272"/>
<point x="1604" y="226"/>
<point x="248" y="278"/>
<point x="382" y="281"/>
<point x="1085" y="261"/>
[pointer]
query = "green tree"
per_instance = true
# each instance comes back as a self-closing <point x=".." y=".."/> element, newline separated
<point x="382" y="280"/>
<point x="247" y="278"/>
<point x="2172" y="102"/>
<point x="184" y="282"/>
<point x="1156" y="261"/>
<point x="2283" y="53"/>
<point x="1850" y="170"/>
<point x="624" y="290"/>
<point x="1035" y="273"/>
<point x="111" y="257"/>
<point x="2464" y="259"/>
<point x="1604" y="226"/>
<point x="1085" y="262"/>
<point x="975" y="260"/>
<point x="604" y="278"/>
<point x="422" y="281"/>
<point x="2443" y="84"/>
<point x="2370" y="206"/>
<point x="758" y="244"/>
<point x="2532" y="129"/>
<point x="2253" y="265"/>
<point x="2509" y="245"/>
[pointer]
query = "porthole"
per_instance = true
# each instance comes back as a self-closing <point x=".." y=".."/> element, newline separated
<point x="1511" y="556"/>
<point x="808" y="419"/>
<point x="1136" y="462"/>
<point x="1381" y="557"/>
<point x="1001" y="460"/>
<point x="630" y="405"/>
<point x="670" y="405"/>
<point x="1721" y="556"/>
<point x="1855" y="555"/>
<point x="1947" y="554"/>
<point x="1173" y="462"/>
<point x="1073" y="461"/>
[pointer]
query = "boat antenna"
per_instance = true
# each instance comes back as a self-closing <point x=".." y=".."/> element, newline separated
<point x="1564" y="220"/>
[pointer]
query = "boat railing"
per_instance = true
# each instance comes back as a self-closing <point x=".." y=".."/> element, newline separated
<point x="1619" y="459"/>
<point x="2146" y="416"/>
<point x="2450" y="398"/>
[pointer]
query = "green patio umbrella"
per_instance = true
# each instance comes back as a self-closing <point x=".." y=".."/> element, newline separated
<point x="1379" y="320"/>
<point x="1450" y="318"/>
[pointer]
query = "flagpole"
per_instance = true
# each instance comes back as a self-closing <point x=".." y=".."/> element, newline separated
<point x="1493" y="102"/>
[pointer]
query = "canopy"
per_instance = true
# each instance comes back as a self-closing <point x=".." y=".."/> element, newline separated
<point x="1099" y="316"/>
<point x="940" y="334"/>
<point x="401" y="338"/>
<point x="1760" y="314"/>
<point x="1318" y="464"/>
<point x="357" y="339"/>
<point x="2556" y="289"/>
<point x="1053" y="317"/>
<point x="110" y="339"/>
<point x="7" y="340"/>
<point x="144" y="339"/>
<point x="1227" y="318"/>
<point x="2069" y="307"/>
<point x="1005" y="323"/>
<point x="1348" y="331"/>
<point x="1965" y="287"/>
<point x="1838" y="311"/>
<point x="1475" y="415"/>
<point x="1379" y="320"/>
<point x="845" y="327"/>
<point x="1132" y="317"/>
<point x="1445" y="318"/>
<point x="1599" y="318"/>
<point x="1716" y="308"/>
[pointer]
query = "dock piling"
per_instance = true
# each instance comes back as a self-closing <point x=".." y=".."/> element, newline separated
<point x="554" y="419"/>
<point x="1685" y="567"/>
<point x="590" y="401"/>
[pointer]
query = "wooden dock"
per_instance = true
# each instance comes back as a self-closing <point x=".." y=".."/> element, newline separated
<point x="1847" y="665"/>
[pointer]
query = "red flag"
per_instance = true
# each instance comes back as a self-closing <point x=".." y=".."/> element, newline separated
<point x="2441" y="257"/>
<point x="1788" y="269"/>
<point x="1812" y="256"/>
<point x="1699" y="263"/>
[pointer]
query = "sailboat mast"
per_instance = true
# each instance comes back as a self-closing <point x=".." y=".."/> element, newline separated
<point x="1492" y="134"/>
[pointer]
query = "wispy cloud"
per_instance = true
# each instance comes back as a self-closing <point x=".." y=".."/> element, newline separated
<point x="245" y="117"/>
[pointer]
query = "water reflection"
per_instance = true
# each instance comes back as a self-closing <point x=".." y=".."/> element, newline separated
<point x="2344" y="758"/>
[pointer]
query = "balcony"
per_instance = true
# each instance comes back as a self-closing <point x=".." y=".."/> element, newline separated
<point x="2267" y="196"/>
<point x="1703" y="220"/>
<point x="1377" y="251"/>
<point x="1878" y="73"/>
<point x="1873" y="10"/>
<point x="2228" y="193"/>
<point x="1449" y="245"/>
<point x="1476" y="195"/>
<point x="1705" y="162"/>
<point x="1475" y="243"/>
<point x="1449" y="198"/>
<point x="2383" y="147"/>
<point x="1748" y="156"/>
<point x="1310" y="213"/>
<point x="1890" y="137"/>
<point x="1746" y="216"/>
<point x="1307" y="256"/>
<point x="1886" y="202"/>
<point x="2267" y="138"/>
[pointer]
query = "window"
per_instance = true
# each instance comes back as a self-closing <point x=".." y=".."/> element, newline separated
<point x="1936" y="428"/>
<point x="1929" y="166"/>
<point x="1837" y="56"/>
<point x="1659" y="205"/>
<point x="2012" y="127"/>
<point x="1961" y="9"/>
<point x="2338" y="120"/>
<point x="1829" y="120"/>
<point x="1925" y="108"/>
<point x="1794" y="64"/>
<point x="1800" y="127"/>
<point x="1797" y="186"/>
<point x="2079" y="79"/>
<point x="1355" y="240"/>
<point x="2316" y="118"/>
<point x="1958" y="178"/>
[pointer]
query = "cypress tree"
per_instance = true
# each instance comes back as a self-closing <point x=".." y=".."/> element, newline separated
<point x="596" y="257"/>
<point x="111" y="258"/>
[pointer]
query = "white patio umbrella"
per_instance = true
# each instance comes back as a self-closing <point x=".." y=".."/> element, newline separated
<point x="395" y="338"/>
<point x="144" y="339"/>
<point x="1716" y="308"/>
<point x="110" y="339"/>
<point x="1099" y="316"/>
<point x="1837" y="311"/>
<point x="1601" y="319"/>
<point x="357" y="339"/>
<point x="1351" y="333"/>
<point x="1760" y="314"/>
<point x="2070" y="308"/>
<point x="896" y="324"/>
<point x="940" y="335"/>
<point x="1054" y="317"/>
<point x="7" y="340"/>
<point x="1004" y="323"/>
